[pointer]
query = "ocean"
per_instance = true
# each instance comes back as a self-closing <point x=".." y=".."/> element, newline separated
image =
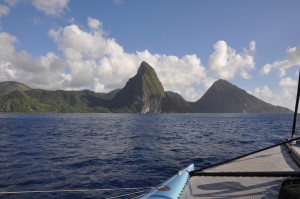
<point x="114" y="151"/>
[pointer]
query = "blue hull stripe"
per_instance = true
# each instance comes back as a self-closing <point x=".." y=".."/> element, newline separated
<point x="176" y="183"/>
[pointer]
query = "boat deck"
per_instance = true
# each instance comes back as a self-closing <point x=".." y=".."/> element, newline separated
<point x="221" y="184"/>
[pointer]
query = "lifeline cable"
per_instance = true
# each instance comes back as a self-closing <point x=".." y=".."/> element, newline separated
<point x="74" y="190"/>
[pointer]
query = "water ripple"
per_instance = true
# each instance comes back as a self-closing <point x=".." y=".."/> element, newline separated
<point x="67" y="151"/>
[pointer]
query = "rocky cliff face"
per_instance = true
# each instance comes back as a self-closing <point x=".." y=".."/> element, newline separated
<point x="143" y="93"/>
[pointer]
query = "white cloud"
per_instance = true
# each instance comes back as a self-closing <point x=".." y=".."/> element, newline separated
<point x="93" y="60"/>
<point x="286" y="98"/>
<point x="287" y="82"/>
<point x="180" y="75"/>
<point x="94" y="23"/>
<point x="266" y="69"/>
<point x="208" y="82"/>
<point x="41" y="72"/>
<point x="263" y="93"/>
<point x="292" y="59"/>
<point x="7" y="42"/>
<point x="226" y="63"/>
<point x="252" y="46"/>
<point x="4" y="10"/>
<point x="51" y="7"/>
<point x="100" y="62"/>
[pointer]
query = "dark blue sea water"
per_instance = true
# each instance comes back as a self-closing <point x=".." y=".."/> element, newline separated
<point x="92" y="151"/>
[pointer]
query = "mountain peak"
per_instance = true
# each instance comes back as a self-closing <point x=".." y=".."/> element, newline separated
<point x="145" y="68"/>
<point x="224" y="97"/>
<point x="143" y="93"/>
<point x="221" y="81"/>
<point x="10" y="86"/>
<point x="222" y="85"/>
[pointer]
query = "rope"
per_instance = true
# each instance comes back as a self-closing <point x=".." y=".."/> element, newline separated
<point x="74" y="190"/>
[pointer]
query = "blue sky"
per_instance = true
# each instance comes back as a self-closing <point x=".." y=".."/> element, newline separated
<point x="99" y="44"/>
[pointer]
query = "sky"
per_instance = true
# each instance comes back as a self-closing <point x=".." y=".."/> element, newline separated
<point x="99" y="44"/>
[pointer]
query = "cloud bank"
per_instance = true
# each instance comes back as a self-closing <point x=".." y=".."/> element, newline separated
<point x="92" y="60"/>
<point x="45" y="71"/>
<point x="100" y="62"/>
<point x="292" y="59"/>
<point x="286" y="98"/>
<point x="288" y="85"/>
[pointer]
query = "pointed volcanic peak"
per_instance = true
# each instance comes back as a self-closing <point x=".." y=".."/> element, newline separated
<point x="10" y="86"/>
<point x="145" y="68"/>
<point x="150" y="83"/>
<point x="224" y="97"/>
<point x="143" y="93"/>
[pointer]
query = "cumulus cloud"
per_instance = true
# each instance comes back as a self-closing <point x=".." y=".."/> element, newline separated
<point x="4" y="10"/>
<point x="93" y="60"/>
<point x="98" y="61"/>
<point x="292" y="59"/>
<point x="94" y="23"/>
<point x="287" y="82"/>
<point x="286" y="98"/>
<point x="43" y="72"/>
<point x="226" y="63"/>
<point x="90" y="59"/>
<point x="263" y="93"/>
<point x="53" y="7"/>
